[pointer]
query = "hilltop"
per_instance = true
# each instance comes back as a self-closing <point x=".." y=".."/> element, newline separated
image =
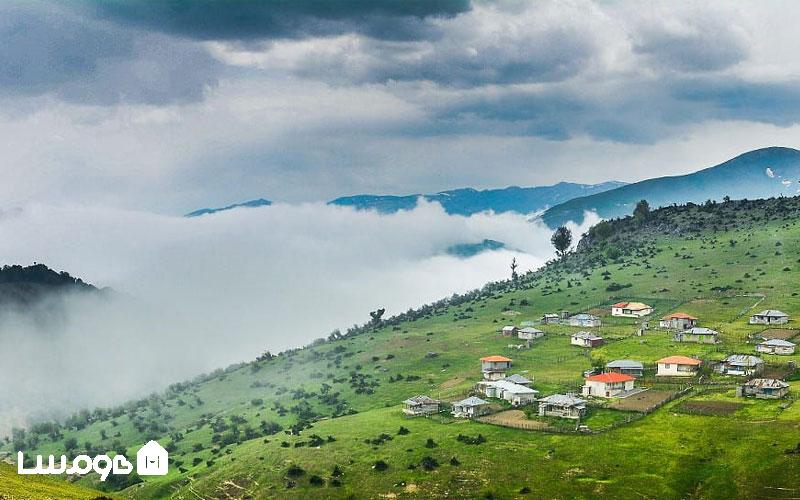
<point x="762" y="173"/>
<point x="260" y="202"/>
<point x="22" y="287"/>
<point x="326" y="419"/>
<point x="468" y="201"/>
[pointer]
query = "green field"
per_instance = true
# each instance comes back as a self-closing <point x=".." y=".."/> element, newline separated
<point x="315" y="421"/>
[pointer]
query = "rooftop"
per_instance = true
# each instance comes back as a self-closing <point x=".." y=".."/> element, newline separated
<point x="699" y="330"/>
<point x="634" y="306"/>
<point x="609" y="378"/>
<point x="563" y="400"/>
<point x="421" y="400"/>
<point x="495" y="359"/>
<point x="625" y="363"/>
<point x="778" y="343"/>
<point x="773" y="313"/>
<point x="518" y="379"/>
<point x="587" y="336"/>
<point x="471" y="401"/>
<point x="743" y="360"/>
<point x="767" y="383"/>
<point x="679" y="315"/>
<point x="679" y="360"/>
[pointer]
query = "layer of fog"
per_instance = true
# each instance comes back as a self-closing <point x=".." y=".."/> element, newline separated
<point x="196" y="294"/>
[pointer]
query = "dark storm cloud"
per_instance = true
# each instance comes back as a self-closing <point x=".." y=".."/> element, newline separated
<point x="48" y="49"/>
<point x="269" y="19"/>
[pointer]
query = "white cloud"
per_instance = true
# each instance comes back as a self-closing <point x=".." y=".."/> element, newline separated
<point x="198" y="294"/>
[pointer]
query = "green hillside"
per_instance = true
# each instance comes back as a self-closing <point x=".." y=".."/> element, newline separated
<point x="326" y="420"/>
<point x="762" y="173"/>
<point x="16" y="487"/>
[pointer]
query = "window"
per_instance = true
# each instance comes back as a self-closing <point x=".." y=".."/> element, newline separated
<point x="666" y="366"/>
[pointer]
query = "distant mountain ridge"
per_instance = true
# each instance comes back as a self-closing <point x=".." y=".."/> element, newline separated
<point x="762" y="173"/>
<point x="24" y="286"/>
<point x="468" y="201"/>
<point x="260" y="202"/>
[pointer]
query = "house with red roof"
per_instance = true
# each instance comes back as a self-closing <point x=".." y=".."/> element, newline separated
<point x="678" y="321"/>
<point x="678" y="366"/>
<point x="631" y="309"/>
<point x="495" y="367"/>
<point x="607" y="385"/>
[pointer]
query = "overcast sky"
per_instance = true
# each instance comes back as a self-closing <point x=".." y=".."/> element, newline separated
<point x="169" y="106"/>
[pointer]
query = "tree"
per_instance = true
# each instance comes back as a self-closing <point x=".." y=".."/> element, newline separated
<point x="376" y="316"/>
<point x="514" y="265"/>
<point x="561" y="240"/>
<point x="642" y="210"/>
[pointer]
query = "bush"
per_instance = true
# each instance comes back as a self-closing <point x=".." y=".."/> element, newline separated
<point x="295" y="471"/>
<point x="380" y="465"/>
<point x="429" y="463"/>
<point x="316" y="481"/>
<point x="403" y="431"/>
<point x="430" y="443"/>
<point x="454" y="461"/>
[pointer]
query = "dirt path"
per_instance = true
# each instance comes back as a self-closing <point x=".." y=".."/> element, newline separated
<point x="513" y="418"/>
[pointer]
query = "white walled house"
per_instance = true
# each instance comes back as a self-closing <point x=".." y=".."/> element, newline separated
<point x="586" y="339"/>
<point x="550" y="319"/>
<point x="470" y="407"/>
<point x="631" y="309"/>
<point x="769" y="317"/>
<point x="678" y="366"/>
<point x="741" y="365"/>
<point x="529" y="333"/>
<point x="420" y="405"/>
<point x="607" y="385"/>
<point x="516" y="394"/>
<point x="776" y="346"/>
<point x="697" y="335"/>
<point x="678" y="321"/>
<point x="495" y="367"/>
<point x="562" y="405"/>
<point x="585" y="321"/>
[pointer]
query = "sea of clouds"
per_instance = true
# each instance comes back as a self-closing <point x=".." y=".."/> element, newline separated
<point x="195" y="294"/>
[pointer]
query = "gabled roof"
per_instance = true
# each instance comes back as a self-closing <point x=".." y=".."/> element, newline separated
<point x="633" y="306"/>
<point x="550" y="315"/>
<point x="510" y="327"/>
<point x="625" y="363"/>
<point x="772" y="313"/>
<point x="471" y="401"/>
<point x="743" y="360"/>
<point x="609" y="378"/>
<point x="583" y="316"/>
<point x="699" y="330"/>
<point x="679" y="360"/>
<point x="767" y="383"/>
<point x="518" y="379"/>
<point x="563" y="400"/>
<point x="679" y="315"/>
<point x="421" y="400"/>
<point x="529" y="329"/>
<point x="778" y="343"/>
<point x="495" y="358"/>
<point x="512" y="387"/>
<point x="586" y="336"/>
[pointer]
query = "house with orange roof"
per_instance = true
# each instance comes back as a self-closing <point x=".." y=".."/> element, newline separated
<point x="678" y="321"/>
<point x="495" y="367"/>
<point x="678" y="366"/>
<point x="631" y="309"/>
<point x="607" y="385"/>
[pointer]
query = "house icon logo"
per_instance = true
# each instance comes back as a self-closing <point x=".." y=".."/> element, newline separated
<point x="152" y="460"/>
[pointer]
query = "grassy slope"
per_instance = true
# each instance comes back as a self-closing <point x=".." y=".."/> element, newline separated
<point x="16" y="487"/>
<point x="666" y="454"/>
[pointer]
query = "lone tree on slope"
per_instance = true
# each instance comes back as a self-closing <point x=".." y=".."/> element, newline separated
<point x="514" y="265"/>
<point x="561" y="239"/>
<point x="642" y="210"/>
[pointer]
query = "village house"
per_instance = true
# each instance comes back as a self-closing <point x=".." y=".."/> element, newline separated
<point x="519" y="379"/>
<point x="550" y="319"/>
<point x="470" y="408"/>
<point x="763" y="388"/>
<point x="495" y="367"/>
<point x="677" y="366"/>
<point x="421" y="405"/>
<point x="741" y="364"/>
<point x="585" y="320"/>
<point x="776" y="346"/>
<point x="697" y="334"/>
<point x="529" y="333"/>
<point x="607" y="385"/>
<point x="626" y="367"/>
<point x="516" y="394"/>
<point x="631" y="309"/>
<point x="509" y="331"/>
<point x="586" y="339"/>
<point x="678" y="321"/>
<point x="562" y="405"/>
<point x="769" y="317"/>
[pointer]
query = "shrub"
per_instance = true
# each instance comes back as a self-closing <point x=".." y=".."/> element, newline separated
<point x="380" y="465"/>
<point x="316" y="481"/>
<point x="430" y="443"/>
<point x="429" y="463"/>
<point x="295" y="471"/>
<point x="403" y="431"/>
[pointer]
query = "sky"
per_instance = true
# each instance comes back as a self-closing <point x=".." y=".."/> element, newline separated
<point x="170" y="106"/>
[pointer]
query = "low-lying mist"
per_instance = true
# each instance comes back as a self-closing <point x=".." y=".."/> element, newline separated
<point x="196" y="294"/>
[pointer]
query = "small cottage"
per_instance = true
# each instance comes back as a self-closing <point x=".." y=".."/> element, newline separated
<point x="607" y="385"/>
<point x="509" y="331"/>
<point x="421" y="405"/>
<point x="550" y="319"/>
<point x="586" y="339"/>
<point x="585" y="321"/>
<point x="769" y="317"/>
<point x="530" y="333"/>
<point x="495" y="367"/>
<point x="776" y="346"/>
<point x="631" y="309"/>
<point x="470" y="408"/>
<point x="698" y="335"/>
<point x="562" y="405"/>
<point x="678" y="321"/>
<point x="516" y="394"/>
<point x="626" y="367"/>
<point x="519" y="379"/>
<point x="677" y="366"/>
<point x="763" y="388"/>
<point x="741" y="364"/>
